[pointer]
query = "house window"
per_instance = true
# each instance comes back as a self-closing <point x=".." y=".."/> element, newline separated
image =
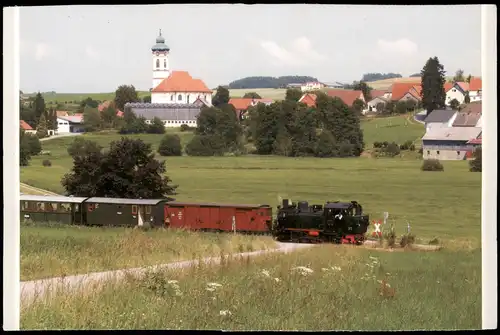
<point x="165" y="63"/>
<point x="428" y="152"/>
<point x="134" y="209"/>
<point x="458" y="153"/>
<point x="454" y="90"/>
<point x="157" y="63"/>
<point x="179" y="97"/>
<point x="40" y="206"/>
<point x="188" y="99"/>
<point x="148" y="209"/>
<point x="437" y="152"/>
<point x="171" y="97"/>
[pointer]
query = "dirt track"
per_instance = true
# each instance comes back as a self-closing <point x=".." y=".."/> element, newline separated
<point x="43" y="287"/>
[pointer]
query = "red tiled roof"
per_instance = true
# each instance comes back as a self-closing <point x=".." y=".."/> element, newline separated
<point x="309" y="99"/>
<point x="400" y="89"/>
<point x="24" y="125"/>
<point x="106" y="104"/>
<point x="181" y="81"/>
<point x="347" y="96"/>
<point x="463" y="85"/>
<point x="448" y="86"/>
<point x="243" y="103"/>
<point x="475" y="84"/>
<point x="376" y="93"/>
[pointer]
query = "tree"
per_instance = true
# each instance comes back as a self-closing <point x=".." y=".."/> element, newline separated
<point x="283" y="144"/>
<point x="389" y="108"/>
<point x="221" y="96"/>
<point x="293" y="94"/>
<point x="34" y="145"/>
<point x="51" y="119"/>
<point x="363" y="87"/>
<point x="467" y="97"/>
<point x="252" y="95"/>
<point x="469" y="77"/>
<point x="156" y="127"/>
<point x="88" y="102"/>
<point x="42" y="130"/>
<point x="38" y="106"/>
<point x="454" y="104"/>
<point x="24" y="149"/>
<point x="205" y="145"/>
<point x="326" y="146"/>
<point x="91" y="119"/>
<point x="170" y="145"/>
<point x="124" y="94"/>
<point x="82" y="147"/>
<point x="433" y="79"/>
<point x="127" y="170"/>
<point x="401" y="107"/>
<point x="133" y="124"/>
<point x="108" y="116"/>
<point x="476" y="165"/>
<point x="146" y="99"/>
<point x="358" y="105"/>
<point x="459" y="76"/>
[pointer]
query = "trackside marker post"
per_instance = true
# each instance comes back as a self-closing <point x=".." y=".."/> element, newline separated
<point x="377" y="231"/>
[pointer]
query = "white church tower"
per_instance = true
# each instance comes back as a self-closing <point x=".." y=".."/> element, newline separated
<point x="161" y="68"/>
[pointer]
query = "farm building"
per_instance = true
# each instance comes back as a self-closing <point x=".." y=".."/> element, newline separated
<point x="70" y="124"/>
<point x="347" y="96"/>
<point x="470" y="116"/>
<point x="311" y="86"/>
<point x="172" y="115"/>
<point x="124" y="212"/>
<point x="242" y="104"/>
<point x="399" y="91"/>
<point x="26" y="127"/>
<point x="453" y="143"/>
<point x="372" y="104"/>
<point x="455" y="91"/>
<point x="440" y="118"/>
<point x="475" y="89"/>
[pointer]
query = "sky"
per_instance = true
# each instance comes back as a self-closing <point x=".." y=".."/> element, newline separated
<point x="91" y="49"/>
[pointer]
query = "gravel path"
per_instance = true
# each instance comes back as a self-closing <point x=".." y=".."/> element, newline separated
<point x="42" y="288"/>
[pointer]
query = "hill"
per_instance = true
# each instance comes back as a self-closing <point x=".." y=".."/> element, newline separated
<point x="269" y="82"/>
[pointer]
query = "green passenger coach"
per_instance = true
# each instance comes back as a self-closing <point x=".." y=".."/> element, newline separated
<point x="61" y="209"/>
<point x="124" y="212"/>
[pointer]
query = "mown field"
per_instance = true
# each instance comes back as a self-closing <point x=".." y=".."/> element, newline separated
<point x="54" y="251"/>
<point x="324" y="288"/>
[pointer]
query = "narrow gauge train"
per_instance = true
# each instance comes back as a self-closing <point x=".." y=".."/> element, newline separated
<point x="338" y="222"/>
<point x="255" y="219"/>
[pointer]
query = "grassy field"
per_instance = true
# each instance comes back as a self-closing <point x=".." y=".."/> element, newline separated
<point x="386" y="83"/>
<point x="325" y="288"/>
<point x="399" y="129"/>
<point x="52" y="251"/>
<point x="440" y="204"/>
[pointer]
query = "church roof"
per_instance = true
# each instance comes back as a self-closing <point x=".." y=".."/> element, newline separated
<point x="181" y="81"/>
<point x="160" y="44"/>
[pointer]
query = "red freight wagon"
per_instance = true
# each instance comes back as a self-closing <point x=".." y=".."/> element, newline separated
<point x="218" y="217"/>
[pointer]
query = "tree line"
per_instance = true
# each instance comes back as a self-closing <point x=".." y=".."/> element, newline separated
<point x="269" y="82"/>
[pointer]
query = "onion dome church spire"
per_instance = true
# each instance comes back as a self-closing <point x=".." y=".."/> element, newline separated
<point x="160" y="44"/>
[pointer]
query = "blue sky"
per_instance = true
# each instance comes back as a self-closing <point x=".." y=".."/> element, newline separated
<point x="86" y="49"/>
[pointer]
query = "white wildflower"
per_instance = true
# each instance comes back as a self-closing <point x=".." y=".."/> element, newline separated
<point x="277" y="280"/>
<point x="173" y="281"/>
<point x="211" y="289"/>
<point x="303" y="270"/>
<point x="266" y="273"/>
<point x="225" y="313"/>
<point x="336" y="268"/>
<point x="374" y="258"/>
<point x="387" y="274"/>
<point x="324" y="269"/>
<point x="214" y="285"/>
<point x="379" y="281"/>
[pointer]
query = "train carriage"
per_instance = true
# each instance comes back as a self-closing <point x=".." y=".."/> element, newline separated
<point x="40" y="208"/>
<point x="124" y="212"/>
<point x="218" y="217"/>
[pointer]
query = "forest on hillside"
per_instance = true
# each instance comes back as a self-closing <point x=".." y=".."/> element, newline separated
<point x="367" y="77"/>
<point x="269" y="82"/>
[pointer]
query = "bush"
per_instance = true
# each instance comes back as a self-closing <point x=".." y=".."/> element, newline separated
<point x="432" y="165"/>
<point x="205" y="145"/>
<point x="420" y="151"/>
<point x="35" y="146"/>
<point x="434" y="241"/>
<point x="46" y="163"/>
<point x="390" y="237"/>
<point x="476" y="165"/>
<point x="412" y="147"/>
<point x="407" y="145"/>
<point x="156" y="127"/>
<point x="407" y="240"/>
<point x="377" y="145"/>
<point x="170" y="145"/>
<point x="185" y="127"/>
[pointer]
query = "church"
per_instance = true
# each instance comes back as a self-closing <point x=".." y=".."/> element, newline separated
<point x="176" y="97"/>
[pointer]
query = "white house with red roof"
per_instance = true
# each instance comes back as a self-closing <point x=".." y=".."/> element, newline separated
<point x="174" y="87"/>
<point x="26" y="127"/>
<point x="455" y="91"/>
<point x="241" y="105"/>
<point x="475" y="89"/>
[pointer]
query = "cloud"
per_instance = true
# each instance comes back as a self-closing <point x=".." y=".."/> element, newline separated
<point x="91" y="52"/>
<point x="42" y="50"/>
<point x="300" y="52"/>
<point x="402" y="46"/>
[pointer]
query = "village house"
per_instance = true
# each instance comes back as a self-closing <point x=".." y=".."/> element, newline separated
<point x="105" y="105"/>
<point x="26" y="127"/>
<point x="312" y="86"/>
<point x="469" y="116"/>
<point x="455" y="91"/>
<point x="347" y="96"/>
<point x="440" y="118"/>
<point x="70" y="124"/>
<point x="454" y="143"/>
<point x="172" y="115"/>
<point x="243" y="104"/>
<point x="475" y="89"/>
<point x="404" y="91"/>
<point x="372" y="104"/>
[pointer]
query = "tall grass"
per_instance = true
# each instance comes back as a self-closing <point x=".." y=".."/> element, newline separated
<point x="325" y="288"/>
<point x="61" y="250"/>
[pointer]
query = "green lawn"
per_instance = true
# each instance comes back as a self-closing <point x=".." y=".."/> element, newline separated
<point x="396" y="128"/>
<point x="340" y="288"/>
<point x="52" y="251"/>
<point x="437" y="204"/>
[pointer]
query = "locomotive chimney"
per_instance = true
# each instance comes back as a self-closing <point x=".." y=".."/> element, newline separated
<point x="285" y="203"/>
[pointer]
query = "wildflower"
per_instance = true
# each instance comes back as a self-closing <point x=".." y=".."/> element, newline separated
<point x="212" y="286"/>
<point x="211" y="289"/>
<point x="266" y="273"/>
<point x="173" y="282"/>
<point x="336" y="268"/>
<point x="277" y="280"/>
<point x="225" y="312"/>
<point x="387" y="274"/>
<point x="324" y="269"/>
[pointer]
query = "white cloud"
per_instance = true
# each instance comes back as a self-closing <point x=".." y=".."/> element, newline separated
<point x="301" y="52"/>
<point x="91" y="52"/>
<point x="42" y="50"/>
<point x="402" y="46"/>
